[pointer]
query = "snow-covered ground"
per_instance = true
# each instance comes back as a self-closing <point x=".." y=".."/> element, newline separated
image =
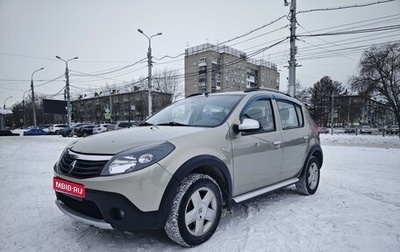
<point x="356" y="208"/>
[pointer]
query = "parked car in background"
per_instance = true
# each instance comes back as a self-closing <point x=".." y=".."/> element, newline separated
<point x="180" y="169"/>
<point x="54" y="129"/>
<point x="76" y="127"/>
<point x="85" y="130"/>
<point x="365" y="129"/>
<point x="65" y="132"/>
<point x="35" y="132"/>
<point x="70" y="131"/>
<point x="349" y="130"/>
<point x="7" y="132"/>
<point x="382" y="128"/>
<point x="323" y="130"/>
<point x="103" y="127"/>
<point x="122" y="124"/>
<point x="46" y="127"/>
<point x="392" y="129"/>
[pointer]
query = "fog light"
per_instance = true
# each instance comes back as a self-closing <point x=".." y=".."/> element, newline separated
<point x="117" y="214"/>
<point x="121" y="214"/>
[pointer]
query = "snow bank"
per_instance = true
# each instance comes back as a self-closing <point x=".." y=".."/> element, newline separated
<point x="356" y="207"/>
<point x="388" y="141"/>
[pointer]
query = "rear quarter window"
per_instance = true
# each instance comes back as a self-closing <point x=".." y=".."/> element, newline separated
<point x="291" y="114"/>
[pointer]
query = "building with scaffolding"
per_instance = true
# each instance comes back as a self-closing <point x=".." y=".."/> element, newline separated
<point x="211" y="68"/>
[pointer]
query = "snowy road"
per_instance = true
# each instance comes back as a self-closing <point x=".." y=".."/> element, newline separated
<point x="357" y="206"/>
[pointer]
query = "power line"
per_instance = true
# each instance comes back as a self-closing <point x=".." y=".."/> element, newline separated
<point x="375" y="29"/>
<point x="47" y="82"/>
<point x="114" y="70"/>
<point x="345" y="7"/>
<point x="252" y="31"/>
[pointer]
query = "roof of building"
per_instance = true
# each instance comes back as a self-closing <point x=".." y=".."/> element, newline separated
<point x="5" y="112"/>
<point x="228" y="50"/>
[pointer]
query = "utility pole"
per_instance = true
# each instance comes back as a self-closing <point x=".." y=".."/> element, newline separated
<point x="67" y="87"/>
<point x="111" y="106"/>
<point x="332" y="111"/>
<point x="150" y="65"/>
<point x="293" y="48"/>
<point x="33" y="99"/>
<point x="23" y="104"/>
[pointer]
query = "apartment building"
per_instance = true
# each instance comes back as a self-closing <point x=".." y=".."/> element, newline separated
<point x="211" y="68"/>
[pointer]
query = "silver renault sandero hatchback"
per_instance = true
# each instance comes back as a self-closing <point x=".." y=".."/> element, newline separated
<point x="186" y="164"/>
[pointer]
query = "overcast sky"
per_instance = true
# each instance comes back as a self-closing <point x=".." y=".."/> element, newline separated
<point x="103" y="34"/>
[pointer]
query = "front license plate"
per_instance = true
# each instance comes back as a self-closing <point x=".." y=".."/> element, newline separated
<point x="68" y="187"/>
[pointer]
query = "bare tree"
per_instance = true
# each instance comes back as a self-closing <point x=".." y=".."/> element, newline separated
<point x="168" y="81"/>
<point x="302" y="93"/>
<point x="379" y="74"/>
<point x="141" y="84"/>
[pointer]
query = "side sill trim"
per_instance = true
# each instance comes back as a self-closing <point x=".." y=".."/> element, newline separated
<point x="82" y="218"/>
<point x="263" y="190"/>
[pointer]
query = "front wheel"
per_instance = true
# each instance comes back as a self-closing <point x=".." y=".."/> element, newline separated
<point x="195" y="211"/>
<point x="309" y="182"/>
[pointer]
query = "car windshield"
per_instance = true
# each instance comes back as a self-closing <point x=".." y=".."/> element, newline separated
<point x="198" y="111"/>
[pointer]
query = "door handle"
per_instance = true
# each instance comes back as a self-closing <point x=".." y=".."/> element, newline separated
<point x="306" y="138"/>
<point x="278" y="144"/>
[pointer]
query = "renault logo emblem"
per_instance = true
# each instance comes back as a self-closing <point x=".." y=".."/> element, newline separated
<point x="72" y="166"/>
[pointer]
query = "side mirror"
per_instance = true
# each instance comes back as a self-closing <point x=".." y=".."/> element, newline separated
<point x="249" y="125"/>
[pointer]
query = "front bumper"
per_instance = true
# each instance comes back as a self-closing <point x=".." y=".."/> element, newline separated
<point x="108" y="210"/>
<point x="82" y="218"/>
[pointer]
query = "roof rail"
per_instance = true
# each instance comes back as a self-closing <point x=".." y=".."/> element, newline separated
<point x="253" y="89"/>
<point x="197" y="94"/>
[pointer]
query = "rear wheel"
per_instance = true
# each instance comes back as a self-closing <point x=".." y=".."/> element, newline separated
<point x="308" y="184"/>
<point x="195" y="212"/>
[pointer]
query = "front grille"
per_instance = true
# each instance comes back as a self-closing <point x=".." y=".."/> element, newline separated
<point x="75" y="166"/>
<point x="85" y="207"/>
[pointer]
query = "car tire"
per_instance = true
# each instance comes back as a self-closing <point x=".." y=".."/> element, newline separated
<point x="309" y="182"/>
<point x="195" y="212"/>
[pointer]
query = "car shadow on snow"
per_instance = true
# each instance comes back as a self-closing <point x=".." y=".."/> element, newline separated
<point x="273" y="199"/>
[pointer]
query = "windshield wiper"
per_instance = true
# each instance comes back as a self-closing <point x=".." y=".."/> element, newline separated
<point x="172" y="124"/>
<point x="145" y="124"/>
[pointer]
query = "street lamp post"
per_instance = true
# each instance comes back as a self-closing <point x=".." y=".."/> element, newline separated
<point x="33" y="98"/>
<point x="149" y="62"/>
<point x="67" y="87"/>
<point x="23" y="104"/>
<point x="4" y="104"/>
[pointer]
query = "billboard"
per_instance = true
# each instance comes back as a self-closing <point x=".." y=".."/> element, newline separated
<point x="55" y="106"/>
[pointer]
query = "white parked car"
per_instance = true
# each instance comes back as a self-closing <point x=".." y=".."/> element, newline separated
<point x="100" y="128"/>
<point x="365" y="130"/>
<point x="55" y="128"/>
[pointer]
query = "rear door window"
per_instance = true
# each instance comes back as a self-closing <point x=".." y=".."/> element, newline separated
<point x="291" y="114"/>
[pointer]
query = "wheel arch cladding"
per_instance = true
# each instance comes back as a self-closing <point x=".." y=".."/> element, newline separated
<point x="204" y="164"/>
<point x="315" y="151"/>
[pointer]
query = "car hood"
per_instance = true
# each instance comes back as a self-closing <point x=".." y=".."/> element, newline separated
<point x="112" y="142"/>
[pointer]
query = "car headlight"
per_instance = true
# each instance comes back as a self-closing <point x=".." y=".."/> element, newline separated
<point x="137" y="158"/>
